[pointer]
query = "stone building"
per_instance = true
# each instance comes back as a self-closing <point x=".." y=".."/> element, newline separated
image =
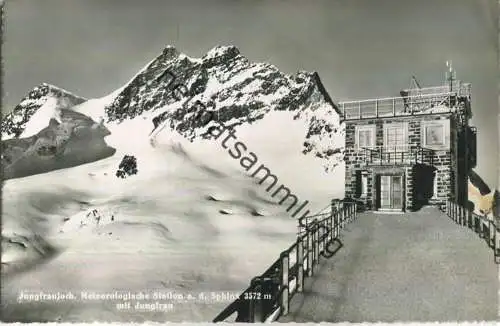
<point x="405" y="152"/>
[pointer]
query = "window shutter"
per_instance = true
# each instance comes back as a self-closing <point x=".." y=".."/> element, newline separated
<point x="358" y="188"/>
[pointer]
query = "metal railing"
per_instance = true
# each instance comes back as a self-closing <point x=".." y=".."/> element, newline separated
<point x="462" y="89"/>
<point x="268" y="296"/>
<point x="486" y="229"/>
<point x="398" y="155"/>
<point x="415" y="102"/>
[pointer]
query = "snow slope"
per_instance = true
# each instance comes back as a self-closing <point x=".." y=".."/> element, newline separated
<point x="192" y="219"/>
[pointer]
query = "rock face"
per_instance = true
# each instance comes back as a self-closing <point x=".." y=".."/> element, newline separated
<point x="76" y="140"/>
<point x="14" y="123"/>
<point x="236" y="90"/>
<point x="127" y="167"/>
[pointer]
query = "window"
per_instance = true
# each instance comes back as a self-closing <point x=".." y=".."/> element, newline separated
<point x="365" y="136"/>
<point x="434" y="135"/>
<point x="395" y="136"/>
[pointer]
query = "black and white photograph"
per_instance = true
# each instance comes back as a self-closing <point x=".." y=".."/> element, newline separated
<point x="251" y="161"/>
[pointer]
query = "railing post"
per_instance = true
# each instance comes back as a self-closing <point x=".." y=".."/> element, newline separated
<point x="310" y="250"/>
<point x="331" y="224"/>
<point x="326" y="232"/>
<point x="497" y="245"/>
<point x="376" y="108"/>
<point x="348" y="219"/>
<point x="254" y="284"/>
<point x="337" y="221"/>
<point x="285" y="272"/>
<point x="477" y="226"/>
<point x="469" y="218"/>
<point x="348" y="216"/>
<point x="316" y="243"/>
<point x="359" y="110"/>
<point x="351" y="212"/>
<point x="351" y="218"/>
<point x="393" y="107"/>
<point x="456" y="213"/>
<point x="344" y="214"/>
<point x="491" y="235"/>
<point x="300" y="264"/>
<point x="482" y="233"/>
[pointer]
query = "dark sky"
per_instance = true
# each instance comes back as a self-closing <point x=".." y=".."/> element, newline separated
<point x="361" y="48"/>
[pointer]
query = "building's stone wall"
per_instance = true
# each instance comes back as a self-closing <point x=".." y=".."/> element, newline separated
<point x="356" y="159"/>
<point x="442" y="163"/>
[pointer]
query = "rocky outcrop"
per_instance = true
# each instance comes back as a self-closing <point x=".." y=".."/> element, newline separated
<point x="76" y="140"/>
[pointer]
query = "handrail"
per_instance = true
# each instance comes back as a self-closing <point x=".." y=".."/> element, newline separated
<point x="268" y="296"/>
<point x="388" y="99"/>
<point x="487" y="229"/>
<point x="403" y="154"/>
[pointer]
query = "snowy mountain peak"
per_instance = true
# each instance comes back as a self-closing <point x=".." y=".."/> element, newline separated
<point x="220" y="54"/>
<point x="238" y="90"/>
<point x="46" y="100"/>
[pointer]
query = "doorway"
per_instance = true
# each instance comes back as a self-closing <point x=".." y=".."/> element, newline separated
<point x="390" y="192"/>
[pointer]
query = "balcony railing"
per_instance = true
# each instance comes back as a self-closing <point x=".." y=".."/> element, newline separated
<point x="382" y="155"/>
<point x="412" y="102"/>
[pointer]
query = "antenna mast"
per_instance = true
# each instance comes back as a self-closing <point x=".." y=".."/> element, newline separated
<point x="451" y="74"/>
<point x="177" y="33"/>
<point x="415" y="82"/>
